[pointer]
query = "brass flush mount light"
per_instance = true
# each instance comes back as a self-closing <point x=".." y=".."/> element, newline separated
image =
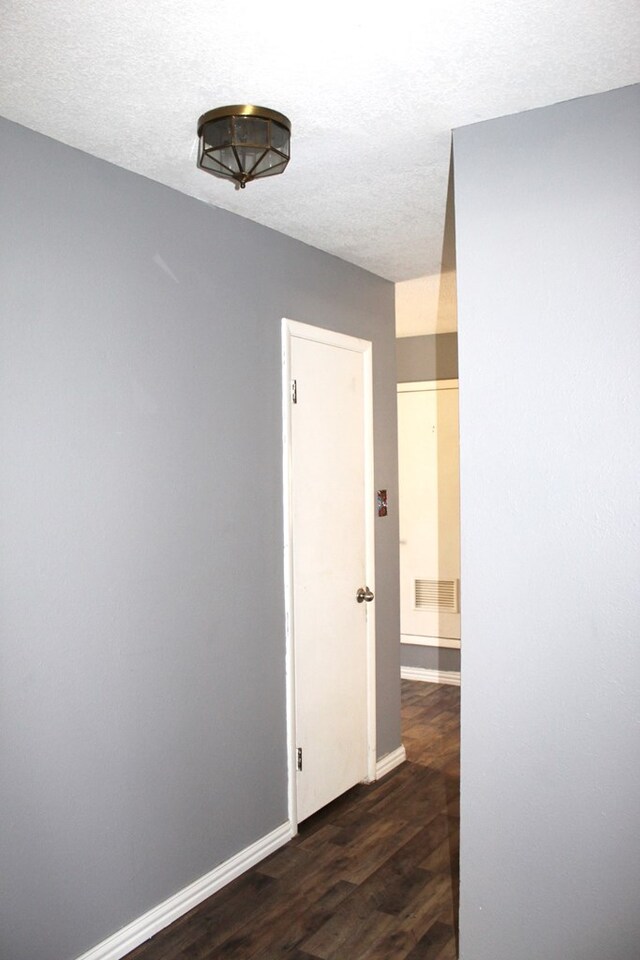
<point x="243" y="143"/>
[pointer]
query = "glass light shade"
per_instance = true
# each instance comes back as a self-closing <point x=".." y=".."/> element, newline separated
<point x="243" y="143"/>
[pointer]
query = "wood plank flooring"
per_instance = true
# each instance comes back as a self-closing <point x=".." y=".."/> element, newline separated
<point x="373" y="876"/>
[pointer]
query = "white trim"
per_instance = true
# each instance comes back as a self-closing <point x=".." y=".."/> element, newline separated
<point x="288" y="578"/>
<point x="417" y="386"/>
<point x="370" y="556"/>
<point x="319" y="335"/>
<point x="451" y="677"/>
<point x="128" y="938"/>
<point x="390" y="761"/>
<point x="291" y="328"/>
<point x="447" y="643"/>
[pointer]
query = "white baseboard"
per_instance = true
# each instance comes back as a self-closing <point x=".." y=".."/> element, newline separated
<point x="390" y="761"/>
<point x="446" y="643"/>
<point x="431" y="676"/>
<point x="156" y="919"/>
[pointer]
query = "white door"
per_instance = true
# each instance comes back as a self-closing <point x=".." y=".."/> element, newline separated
<point x="331" y="557"/>
<point x="429" y="507"/>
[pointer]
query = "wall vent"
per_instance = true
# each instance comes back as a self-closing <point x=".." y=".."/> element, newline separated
<point x="437" y="595"/>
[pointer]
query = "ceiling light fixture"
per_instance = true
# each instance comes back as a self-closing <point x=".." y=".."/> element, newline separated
<point x="243" y="143"/>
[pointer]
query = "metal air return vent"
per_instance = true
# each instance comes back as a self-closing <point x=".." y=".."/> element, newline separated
<point x="437" y="595"/>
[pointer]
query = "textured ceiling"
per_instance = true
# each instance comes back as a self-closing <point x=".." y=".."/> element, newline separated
<point x="372" y="90"/>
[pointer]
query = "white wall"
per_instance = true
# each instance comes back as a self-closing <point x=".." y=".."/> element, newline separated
<point x="548" y="252"/>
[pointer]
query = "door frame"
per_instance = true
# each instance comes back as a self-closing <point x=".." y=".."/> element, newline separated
<point x="290" y="329"/>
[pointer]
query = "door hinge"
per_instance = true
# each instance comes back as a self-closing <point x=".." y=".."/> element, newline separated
<point x="299" y="753"/>
<point x="294" y="391"/>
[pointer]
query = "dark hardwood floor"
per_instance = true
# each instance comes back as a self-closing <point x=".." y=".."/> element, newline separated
<point x="373" y="876"/>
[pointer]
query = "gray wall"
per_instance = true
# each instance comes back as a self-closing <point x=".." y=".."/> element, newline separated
<point x="428" y="358"/>
<point x="142" y="679"/>
<point x="548" y="206"/>
<point x="430" y="658"/>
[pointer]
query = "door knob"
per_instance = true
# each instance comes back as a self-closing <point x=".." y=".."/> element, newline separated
<point x="363" y="594"/>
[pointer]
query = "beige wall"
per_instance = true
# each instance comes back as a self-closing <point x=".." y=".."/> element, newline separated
<point x="427" y="358"/>
<point x="426" y="305"/>
<point x="427" y="349"/>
